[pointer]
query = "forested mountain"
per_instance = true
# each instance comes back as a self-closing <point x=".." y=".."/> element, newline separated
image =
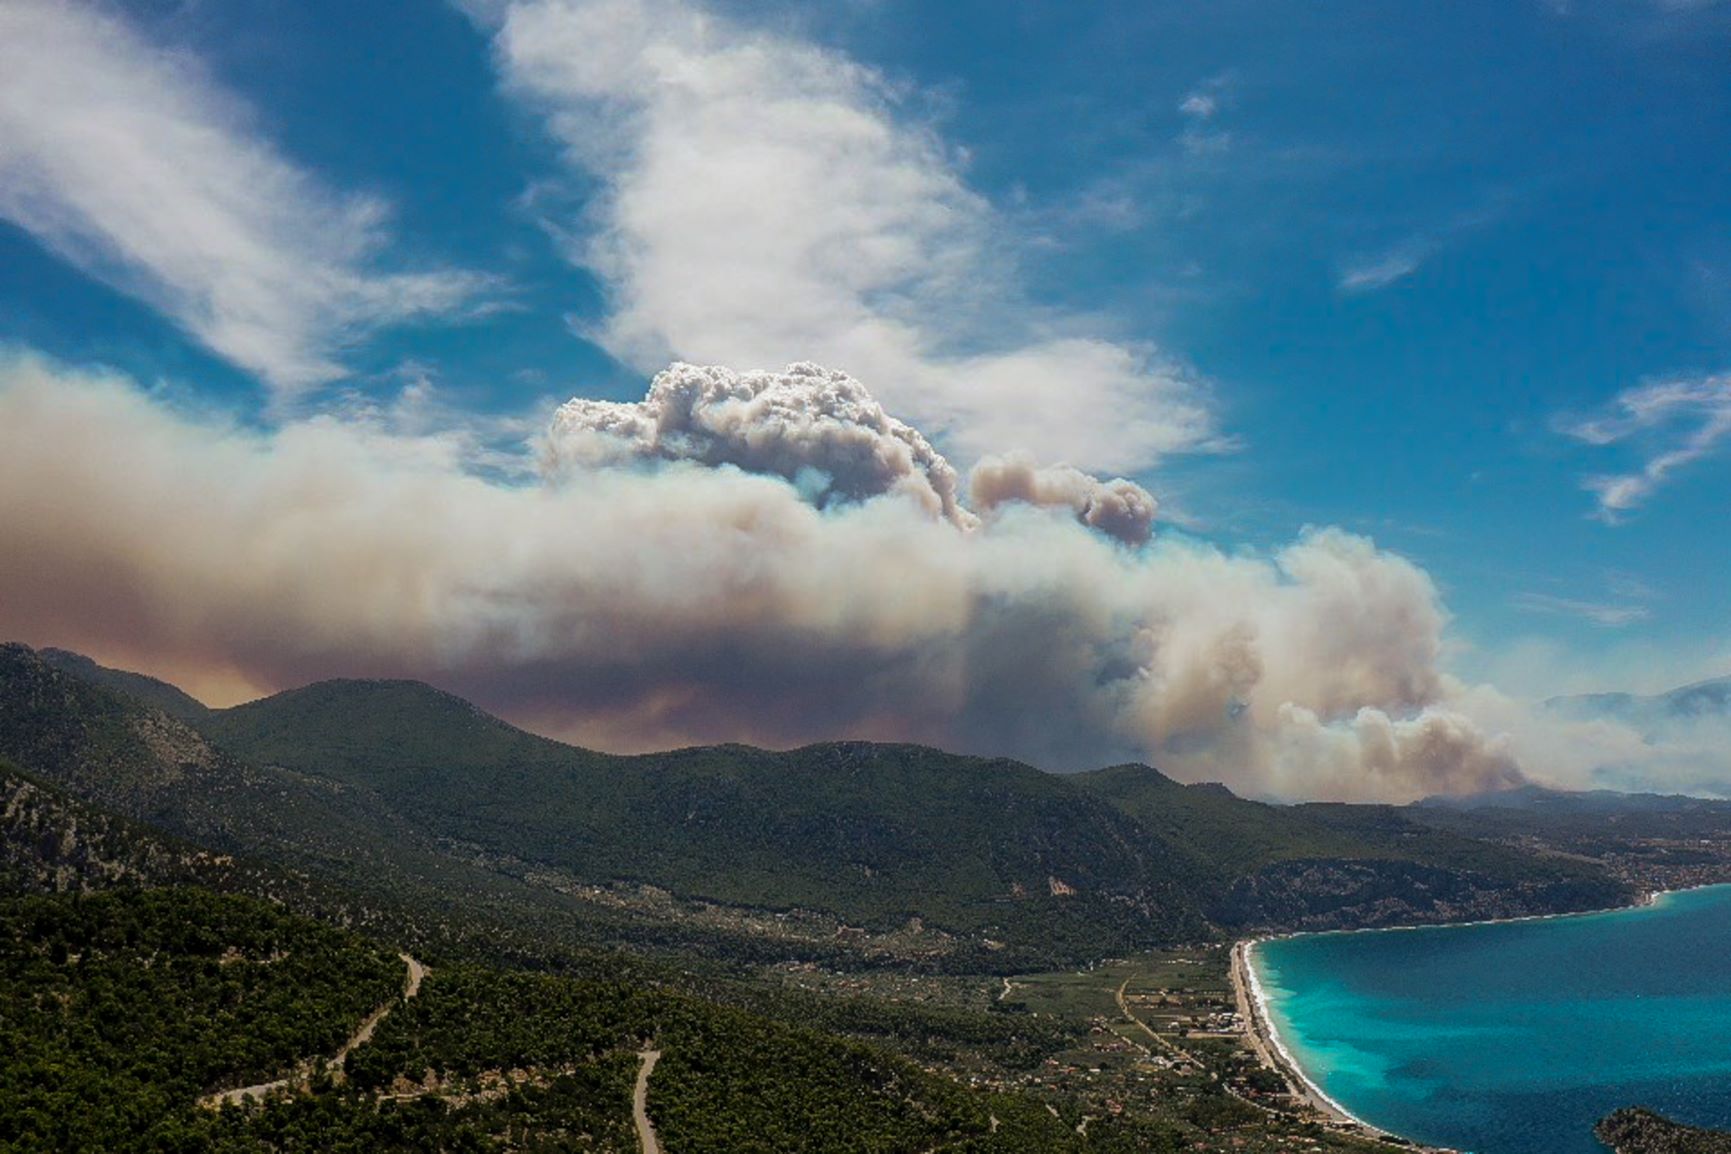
<point x="875" y="834"/>
<point x="880" y="833"/>
<point x="974" y="862"/>
<point x="118" y="790"/>
<point x="52" y="843"/>
<point x="1323" y="866"/>
<point x="171" y="699"/>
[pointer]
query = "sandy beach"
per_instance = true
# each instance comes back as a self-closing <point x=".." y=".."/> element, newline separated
<point x="1265" y="1040"/>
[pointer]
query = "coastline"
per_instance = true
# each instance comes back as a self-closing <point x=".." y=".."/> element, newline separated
<point x="1271" y="1050"/>
<point x="1265" y="1040"/>
<point x="1646" y="899"/>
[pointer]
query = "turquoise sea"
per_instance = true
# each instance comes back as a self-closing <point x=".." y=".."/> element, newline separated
<point x="1514" y="1037"/>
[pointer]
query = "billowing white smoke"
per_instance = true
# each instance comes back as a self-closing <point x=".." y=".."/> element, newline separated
<point x="1438" y="744"/>
<point x="818" y="428"/>
<point x="636" y="607"/>
<point x="1118" y="508"/>
<point x="824" y="432"/>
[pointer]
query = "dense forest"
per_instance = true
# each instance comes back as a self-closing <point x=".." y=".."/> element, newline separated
<point x="118" y="1010"/>
<point x="123" y="1009"/>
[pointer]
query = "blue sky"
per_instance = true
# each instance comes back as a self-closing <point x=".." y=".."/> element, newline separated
<point x="1391" y="267"/>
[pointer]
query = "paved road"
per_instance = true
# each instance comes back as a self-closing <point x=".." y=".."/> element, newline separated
<point x="362" y="1035"/>
<point x="640" y="1103"/>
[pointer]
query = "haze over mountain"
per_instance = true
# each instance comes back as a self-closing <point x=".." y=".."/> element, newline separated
<point x="1686" y="731"/>
<point x="1702" y="701"/>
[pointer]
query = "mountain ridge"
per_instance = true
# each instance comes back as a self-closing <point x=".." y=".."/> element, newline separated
<point x="987" y="862"/>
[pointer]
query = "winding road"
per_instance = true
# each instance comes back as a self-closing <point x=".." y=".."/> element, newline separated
<point x="362" y="1035"/>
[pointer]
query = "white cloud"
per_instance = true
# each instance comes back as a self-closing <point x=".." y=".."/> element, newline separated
<point x="1201" y="105"/>
<point x="128" y="161"/>
<point x="1379" y="268"/>
<point x="1606" y="614"/>
<point x="1383" y="269"/>
<point x="1682" y="420"/>
<point x="765" y="200"/>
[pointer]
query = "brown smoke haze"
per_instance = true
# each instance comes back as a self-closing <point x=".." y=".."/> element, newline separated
<point x="765" y="557"/>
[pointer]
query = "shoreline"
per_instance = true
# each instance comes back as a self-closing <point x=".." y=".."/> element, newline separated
<point x="1265" y="1040"/>
<point x="1271" y="1050"/>
<point x="1647" y="899"/>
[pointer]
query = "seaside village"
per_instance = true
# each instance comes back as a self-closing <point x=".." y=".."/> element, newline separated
<point x="1168" y="1033"/>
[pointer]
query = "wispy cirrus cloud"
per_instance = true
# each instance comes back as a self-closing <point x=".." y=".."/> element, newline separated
<point x="1373" y="269"/>
<point x="1680" y="421"/>
<point x="1378" y="271"/>
<point x="1648" y="21"/>
<point x="1605" y="614"/>
<point x="129" y="161"/>
<point x="1200" y="108"/>
<point x="765" y="200"/>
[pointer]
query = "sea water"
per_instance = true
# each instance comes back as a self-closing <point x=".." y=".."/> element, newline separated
<point x="1515" y="1037"/>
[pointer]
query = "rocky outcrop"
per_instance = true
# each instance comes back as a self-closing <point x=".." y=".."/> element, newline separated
<point x="1640" y="1131"/>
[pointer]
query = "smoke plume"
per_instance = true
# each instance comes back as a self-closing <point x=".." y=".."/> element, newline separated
<point x="817" y="428"/>
<point x="677" y="576"/>
<point x="1118" y="508"/>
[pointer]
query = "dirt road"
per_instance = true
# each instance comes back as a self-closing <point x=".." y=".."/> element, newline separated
<point x="303" y="1074"/>
<point x="640" y="1103"/>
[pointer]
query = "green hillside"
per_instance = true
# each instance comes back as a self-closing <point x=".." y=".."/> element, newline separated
<point x="1328" y="866"/>
<point x="511" y="863"/>
<point x="880" y="834"/>
<point x="50" y="842"/>
<point x="118" y="1011"/>
<point x="417" y="797"/>
<point x="877" y="834"/>
<point x="1227" y="836"/>
<point x="116" y="791"/>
